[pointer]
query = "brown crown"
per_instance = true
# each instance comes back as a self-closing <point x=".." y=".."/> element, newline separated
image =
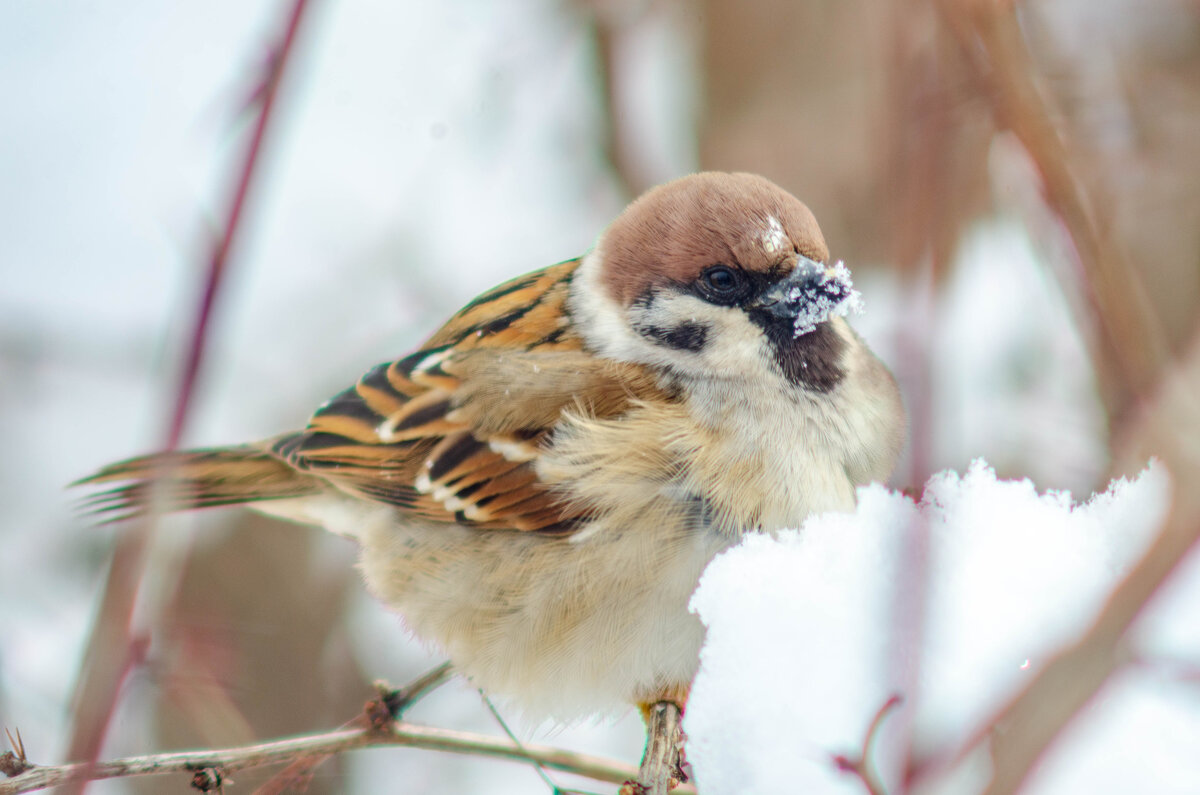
<point x="672" y="232"/>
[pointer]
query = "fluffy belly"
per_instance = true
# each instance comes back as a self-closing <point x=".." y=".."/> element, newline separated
<point x="563" y="628"/>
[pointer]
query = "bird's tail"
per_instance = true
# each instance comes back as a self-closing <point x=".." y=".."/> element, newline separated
<point x="193" y="479"/>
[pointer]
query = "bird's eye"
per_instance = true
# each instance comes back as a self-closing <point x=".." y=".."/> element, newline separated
<point x="722" y="284"/>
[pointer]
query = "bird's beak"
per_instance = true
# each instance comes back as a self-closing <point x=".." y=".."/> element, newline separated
<point x="810" y="294"/>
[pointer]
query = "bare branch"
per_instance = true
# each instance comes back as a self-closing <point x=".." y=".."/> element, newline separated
<point x="14" y="762"/>
<point x="660" y="772"/>
<point x="608" y="29"/>
<point x="861" y="765"/>
<point x="1132" y="344"/>
<point x="1025" y="728"/>
<point x="116" y="647"/>
<point x="375" y="727"/>
<point x="1184" y="672"/>
<point x="1133" y="362"/>
<point x="265" y="97"/>
<point x="378" y="713"/>
<point x="323" y="744"/>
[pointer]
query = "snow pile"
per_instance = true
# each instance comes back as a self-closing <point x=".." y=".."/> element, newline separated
<point x="953" y="603"/>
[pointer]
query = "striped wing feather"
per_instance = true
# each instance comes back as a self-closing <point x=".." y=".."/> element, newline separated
<point x="194" y="479"/>
<point x="452" y="432"/>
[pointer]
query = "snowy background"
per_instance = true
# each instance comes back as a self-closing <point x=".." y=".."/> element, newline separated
<point x="425" y="151"/>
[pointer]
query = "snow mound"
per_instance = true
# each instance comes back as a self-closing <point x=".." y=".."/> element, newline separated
<point x="952" y="603"/>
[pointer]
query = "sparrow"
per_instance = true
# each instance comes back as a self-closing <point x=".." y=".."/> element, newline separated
<point x="537" y="489"/>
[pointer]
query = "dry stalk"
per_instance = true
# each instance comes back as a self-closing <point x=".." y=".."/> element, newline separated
<point x="860" y="765"/>
<point x="116" y="646"/>
<point x="1133" y="360"/>
<point x="377" y="726"/>
<point x="379" y="713"/>
<point x="660" y="771"/>
<point x="1019" y="735"/>
<point x="1132" y="348"/>
<point x="224" y="761"/>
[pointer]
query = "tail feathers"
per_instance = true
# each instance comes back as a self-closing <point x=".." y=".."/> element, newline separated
<point x="193" y="479"/>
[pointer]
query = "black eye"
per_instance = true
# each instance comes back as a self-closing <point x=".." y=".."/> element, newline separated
<point x="722" y="284"/>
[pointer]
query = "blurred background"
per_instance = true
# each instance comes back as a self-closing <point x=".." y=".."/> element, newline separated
<point x="1016" y="187"/>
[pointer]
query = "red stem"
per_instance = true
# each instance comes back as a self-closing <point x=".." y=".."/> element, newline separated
<point x="220" y="256"/>
<point x="115" y="648"/>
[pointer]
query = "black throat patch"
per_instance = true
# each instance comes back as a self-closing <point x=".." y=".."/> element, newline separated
<point x="811" y="360"/>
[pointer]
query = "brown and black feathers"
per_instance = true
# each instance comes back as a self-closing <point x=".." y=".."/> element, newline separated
<point x="450" y="433"/>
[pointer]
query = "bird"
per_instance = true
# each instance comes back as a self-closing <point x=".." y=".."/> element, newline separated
<point x="538" y="488"/>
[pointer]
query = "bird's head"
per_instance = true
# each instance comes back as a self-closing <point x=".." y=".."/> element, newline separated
<point x="718" y="275"/>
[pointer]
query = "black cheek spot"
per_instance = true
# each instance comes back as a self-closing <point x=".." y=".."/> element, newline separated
<point x="689" y="337"/>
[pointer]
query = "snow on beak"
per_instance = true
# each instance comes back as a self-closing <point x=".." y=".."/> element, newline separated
<point x="811" y="294"/>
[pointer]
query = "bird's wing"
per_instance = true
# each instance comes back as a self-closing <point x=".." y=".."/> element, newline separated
<point x="453" y="432"/>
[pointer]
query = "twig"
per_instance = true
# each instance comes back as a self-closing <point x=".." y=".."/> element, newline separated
<point x="378" y="713"/>
<point x="399" y="701"/>
<point x="1032" y="721"/>
<point x="1132" y="346"/>
<point x="608" y="27"/>
<point x="1135" y="354"/>
<point x="1025" y="728"/>
<point x="324" y="744"/>
<point x="659" y="772"/>
<point x="233" y="224"/>
<point x="14" y="762"/>
<point x="861" y="765"/>
<point x="116" y="647"/>
<point x="541" y="771"/>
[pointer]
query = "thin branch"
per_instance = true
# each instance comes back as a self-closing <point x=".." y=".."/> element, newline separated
<point x="324" y="744"/>
<point x="659" y="772"/>
<point x="379" y="713"/>
<point x="1132" y="345"/>
<point x="1021" y="733"/>
<point x="1025" y="728"/>
<point x="265" y="95"/>
<point x="209" y="768"/>
<point x="1033" y="720"/>
<point x="116" y="647"/>
<point x="16" y="761"/>
<point x="541" y="771"/>
<point x="861" y="765"/>
<point x="617" y="149"/>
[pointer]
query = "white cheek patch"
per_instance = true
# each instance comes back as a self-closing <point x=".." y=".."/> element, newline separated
<point x="732" y="344"/>
<point x="773" y="239"/>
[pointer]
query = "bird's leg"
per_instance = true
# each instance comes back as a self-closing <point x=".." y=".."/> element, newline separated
<point x="661" y="769"/>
